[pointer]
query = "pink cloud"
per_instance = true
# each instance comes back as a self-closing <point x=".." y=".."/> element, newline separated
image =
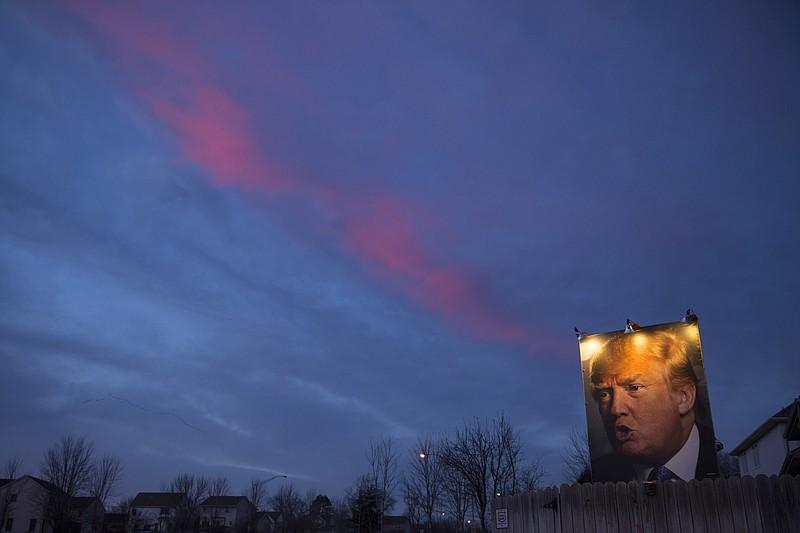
<point x="214" y="133"/>
<point x="387" y="236"/>
<point x="390" y="235"/>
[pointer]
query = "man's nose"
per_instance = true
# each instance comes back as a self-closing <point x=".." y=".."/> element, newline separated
<point x="618" y="404"/>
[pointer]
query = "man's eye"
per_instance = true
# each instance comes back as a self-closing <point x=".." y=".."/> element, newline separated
<point x="634" y="388"/>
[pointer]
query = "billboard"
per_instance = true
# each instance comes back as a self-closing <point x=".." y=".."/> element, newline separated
<point x="647" y="408"/>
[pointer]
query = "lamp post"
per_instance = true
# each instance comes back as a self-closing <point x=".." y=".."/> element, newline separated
<point x="255" y="489"/>
<point x="430" y="471"/>
<point x="270" y="479"/>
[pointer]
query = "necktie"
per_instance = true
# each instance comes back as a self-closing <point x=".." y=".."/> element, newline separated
<point x="661" y="473"/>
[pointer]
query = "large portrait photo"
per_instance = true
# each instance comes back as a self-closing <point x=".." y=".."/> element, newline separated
<point x="647" y="407"/>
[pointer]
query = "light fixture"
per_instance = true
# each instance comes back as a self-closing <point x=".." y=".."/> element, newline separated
<point x="689" y="317"/>
<point x="580" y="334"/>
<point x="630" y="327"/>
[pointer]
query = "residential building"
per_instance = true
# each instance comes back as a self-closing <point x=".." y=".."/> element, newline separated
<point x="159" y="511"/>
<point x="115" y="522"/>
<point x="32" y="505"/>
<point x="396" y="524"/>
<point x="265" y="522"/>
<point x="791" y="465"/>
<point x="767" y="448"/>
<point x="88" y="513"/>
<point x="21" y="509"/>
<point x="231" y="513"/>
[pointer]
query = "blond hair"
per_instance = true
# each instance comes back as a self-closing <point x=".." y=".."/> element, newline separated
<point x="642" y="348"/>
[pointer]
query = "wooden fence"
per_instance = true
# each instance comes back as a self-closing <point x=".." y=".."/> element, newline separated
<point x="747" y="504"/>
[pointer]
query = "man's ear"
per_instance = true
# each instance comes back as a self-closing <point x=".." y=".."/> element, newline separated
<point x="686" y="395"/>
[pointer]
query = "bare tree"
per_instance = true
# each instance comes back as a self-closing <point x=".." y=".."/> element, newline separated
<point x="487" y="459"/>
<point x="106" y="475"/>
<point x="341" y="514"/>
<point x="382" y="457"/>
<point x="196" y="489"/>
<point x="290" y="504"/>
<point x="69" y="466"/>
<point x="12" y="467"/>
<point x="531" y="475"/>
<point x="413" y="503"/>
<point x="577" y="467"/>
<point x="455" y="497"/>
<point x="506" y="462"/>
<point x="219" y="486"/>
<point x="256" y="492"/>
<point x="423" y="481"/>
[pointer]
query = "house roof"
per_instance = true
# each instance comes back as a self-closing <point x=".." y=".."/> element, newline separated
<point x="45" y="484"/>
<point x="395" y="520"/>
<point x="117" y="518"/>
<point x="222" y="501"/>
<point x="792" y="431"/>
<point x="781" y="417"/>
<point x="158" y="499"/>
<point x="83" y="502"/>
<point x="791" y="465"/>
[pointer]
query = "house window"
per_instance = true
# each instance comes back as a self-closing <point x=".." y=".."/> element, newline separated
<point x="9" y="524"/>
<point x="32" y="526"/>
<point x="13" y="498"/>
<point x="756" y="458"/>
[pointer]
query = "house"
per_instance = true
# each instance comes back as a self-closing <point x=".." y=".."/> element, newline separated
<point x="87" y="513"/>
<point x="791" y="465"/>
<point x="265" y="522"/>
<point x="32" y="505"/>
<point x="159" y="511"/>
<point x="767" y="448"/>
<point x="226" y="513"/>
<point x="115" y="522"/>
<point x="396" y="524"/>
<point x="21" y="509"/>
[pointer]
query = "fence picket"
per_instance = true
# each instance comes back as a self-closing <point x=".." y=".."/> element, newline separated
<point x="790" y="501"/>
<point x="738" y="505"/>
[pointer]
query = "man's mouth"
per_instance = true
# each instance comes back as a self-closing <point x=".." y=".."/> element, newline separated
<point x="622" y="433"/>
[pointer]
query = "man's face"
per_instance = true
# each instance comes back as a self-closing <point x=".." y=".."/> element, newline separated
<point x="640" y="413"/>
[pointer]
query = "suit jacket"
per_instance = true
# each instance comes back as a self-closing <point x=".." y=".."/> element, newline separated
<point x="617" y="467"/>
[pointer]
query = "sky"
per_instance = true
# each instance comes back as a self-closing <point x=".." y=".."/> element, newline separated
<point x="248" y="239"/>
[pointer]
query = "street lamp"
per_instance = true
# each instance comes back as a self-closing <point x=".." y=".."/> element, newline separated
<point x="255" y="493"/>
<point x="255" y="488"/>
<point x="270" y="479"/>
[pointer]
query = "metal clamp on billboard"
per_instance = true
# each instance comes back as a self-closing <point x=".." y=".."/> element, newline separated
<point x="647" y="408"/>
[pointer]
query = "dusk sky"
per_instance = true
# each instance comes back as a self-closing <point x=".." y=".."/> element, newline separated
<point x="248" y="238"/>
